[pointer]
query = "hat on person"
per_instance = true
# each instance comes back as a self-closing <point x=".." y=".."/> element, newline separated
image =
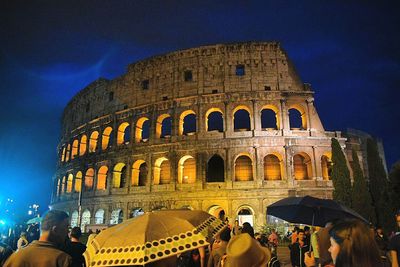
<point x="243" y="250"/>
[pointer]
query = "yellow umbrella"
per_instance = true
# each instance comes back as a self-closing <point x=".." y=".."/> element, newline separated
<point x="151" y="237"/>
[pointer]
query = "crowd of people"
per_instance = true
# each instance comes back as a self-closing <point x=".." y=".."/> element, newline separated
<point x="340" y="243"/>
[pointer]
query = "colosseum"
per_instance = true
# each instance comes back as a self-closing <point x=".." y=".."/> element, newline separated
<point x="226" y="128"/>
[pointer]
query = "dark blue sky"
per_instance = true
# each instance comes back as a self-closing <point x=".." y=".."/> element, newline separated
<point x="348" y="50"/>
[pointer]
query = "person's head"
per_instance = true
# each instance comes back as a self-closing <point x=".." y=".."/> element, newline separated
<point x="237" y="222"/>
<point x="295" y="229"/>
<point x="273" y="230"/>
<point x="247" y="228"/>
<point x="54" y="227"/>
<point x="352" y="245"/>
<point x="379" y="230"/>
<point x="76" y="232"/>
<point x="300" y="234"/>
<point x="306" y="230"/>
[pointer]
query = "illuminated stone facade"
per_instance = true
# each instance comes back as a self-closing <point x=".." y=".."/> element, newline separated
<point x="211" y="128"/>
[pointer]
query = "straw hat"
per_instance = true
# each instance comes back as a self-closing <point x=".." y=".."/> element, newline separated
<point x="243" y="250"/>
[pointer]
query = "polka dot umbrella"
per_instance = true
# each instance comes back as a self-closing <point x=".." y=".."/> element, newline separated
<point x="152" y="237"/>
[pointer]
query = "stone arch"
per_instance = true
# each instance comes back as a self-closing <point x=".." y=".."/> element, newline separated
<point x="217" y="211"/>
<point x="102" y="178"/>
<point x="99" y="216"/>
<point x="135" y="212"/>
<point x="215" y="169"/>
<point x="297" y="117"/>
<point x="270" y="117"/>
<point x="89" y="178"/>
<point x="142" y="130"/>
<point x="83" y="145"/>
<point x="245" y="213"/>
<point x="273" y="167"/>
<point x="187" y="170"/>
<point x="106" y="137"/>
<point x="302" y="166"/>
<point x="214" y="120"/>
<point x="86" y="216"/>
<point x="69" y="182"/>
<point x="163" y="126"/>
<point x="93" y="140"/>
<point x="74" y="218"/>
<point x="68" y="152"/>
<point x="326" y="165"/>
<point x="162" y="171"/>
<point x="243" y="168"/>
<point x="187" y="122"/>
<point x="64" y="151"/>
<point x="117" y="216"/>
<point x="75" y="146"/>
<point x="241" y="118"/>
<point x="139" y="173"/>
<point x="123" y="134"/>
<point x="58" y="192"/>
<point x="119" y="175"/>
<point x="63" y="185"/>
<point x="78" y="182"/>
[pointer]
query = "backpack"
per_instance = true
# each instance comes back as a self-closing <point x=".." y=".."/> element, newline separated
<point x="274" y="262"/>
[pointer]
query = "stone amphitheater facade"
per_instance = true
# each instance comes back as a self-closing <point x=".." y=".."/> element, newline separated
<point x="211" y="128"/>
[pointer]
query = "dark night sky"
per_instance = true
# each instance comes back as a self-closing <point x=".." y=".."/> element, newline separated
<point x="348" y="50"/>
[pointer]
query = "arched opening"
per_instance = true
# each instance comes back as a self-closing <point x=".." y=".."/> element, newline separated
<point x="162" y="171"/>
<point x="187" y="170"/>
<point x="187" y="123"/>
<point x="78" y="182"/>
<point x="119" y="175"/>
<point x="243" y="168"/>
<point x="136" y="212"/>
<point x="74" y="218"/>
<point x="215" y="169"/>
<point x="302" y="166"/>
<point x="124" y="134"/>
<point x="58" y="192"/>
<point x="64" y="151"/>
<point x="142" y="130"/>
<point x="269" y="118"/>
<point x="75" y="146"/>
<point x="245" y="214"/>
<point x="326" y="166"/>
<point x="99" y="216"/>
<point x="85" y="220"/>
<point x="272" y="168"/>
<point x="93" y="141"/>
<point x="214" y="120"/>
<point x="89" y="177"/>
<point x="63" y="185"/>
<point x="139" y="173"/>
<point x="102" y="178"/>
<point x="117" y="216"/>
<point x="241" y="119"/>
<point x="163" y="126"/>
<point x="83" y="145"/>
<point x="69" y="182"/>
<point x="297" y="118"/>
<point x="106" y="137"/>
<point x="217" y="211"/>
<point x="67" y="154"/>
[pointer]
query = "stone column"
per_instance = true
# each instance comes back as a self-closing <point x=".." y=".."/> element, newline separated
<point x="284" y="117"/>
<point x="310" y="103"/>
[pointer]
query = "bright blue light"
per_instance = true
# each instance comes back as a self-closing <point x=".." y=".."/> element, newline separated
<point x="2" y="222"/>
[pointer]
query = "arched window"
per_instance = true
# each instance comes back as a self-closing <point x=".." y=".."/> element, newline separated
<point x="163" y="126"/>
<point x="75" y="146"/>
<point x="162" y="171"/>
<point x="302" y="166"/>
<point x="214" y="120"/>
<point x="67" y="154"/>
<point x="78" y="182"/>
<point x="187" y="170"/>
<point x="326" y="165"/>
<point x="139" y="173"/>
<point x="74" y="218"/>
<point x="241" y="119"/>
<point x="119" y="175"/>
<point x="269" y="118"/>
<point x="297" y="118"/>
<point x="187" y="122"/>
<point x="106" y="137"/>
<point x="117" y="216"/>
<point x="58" y="192"/>
<point x="83" y="145"/>
<point x="93" y="141"/>
<point x="272" y="168"/>
<point x="63" y="185"/>
<point x="124" y="134"/>
<point x="142" y="130"/>
<point x="215" y="169"/>
<point x="64" y="151"/>
<point x="245" y="215"/>
<point x="102" y="178"/>
<point x="243" y="168"/>
<point x="89" y="177"/>
<point x="69" y="183"/>
<point x="85" y="219"/>
<point x="99" y="216"/>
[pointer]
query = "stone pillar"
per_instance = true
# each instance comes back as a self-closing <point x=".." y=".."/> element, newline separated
<point x="310" y="103"/>
<point x="288" y="164"/>
<point x="284" y="117"/>
<point x="149" y="180"/>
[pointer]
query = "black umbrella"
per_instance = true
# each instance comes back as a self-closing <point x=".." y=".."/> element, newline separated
<point x="310" y="210"/>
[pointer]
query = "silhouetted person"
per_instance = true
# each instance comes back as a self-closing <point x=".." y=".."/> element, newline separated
<point x="75" y="248"/>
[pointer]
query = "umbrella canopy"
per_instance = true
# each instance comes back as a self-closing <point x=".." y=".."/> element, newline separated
<point x="310" y="210"/>
<point x="151" y="237"/>
<point x="34" y="220"/>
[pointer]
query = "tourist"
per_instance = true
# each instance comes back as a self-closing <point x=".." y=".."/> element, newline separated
<point x="22" y="241"/>
<point x="47" y="250"/>
<point x="236" y="229"/>
<point x="5" y="252"/>
<point x="382" y="243"/>
<point x="324" y="244"/>
<point x="75" y="248"/>
<point x="394" y="244"/>
<point x="299" y="248"/>
<point x="219" y="248"/>
<point x="314" y="245"/>
<point x="273" y="242"/>
<point x="247" y="228"/>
